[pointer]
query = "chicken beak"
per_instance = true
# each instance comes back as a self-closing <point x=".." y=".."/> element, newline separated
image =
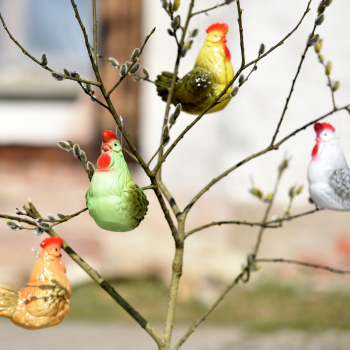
<point x="105" y="147"/>
<point x="318" y="139"/>
<point x="224" y="40"/>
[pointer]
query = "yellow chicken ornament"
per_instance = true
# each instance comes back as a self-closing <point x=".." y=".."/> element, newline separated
<point x="211" y="73"/>
<point x="44" y="301"/>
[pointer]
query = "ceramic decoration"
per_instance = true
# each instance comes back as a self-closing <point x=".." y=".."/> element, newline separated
<point x="328" y="174"/>
<point x="210" y="75"/>
<point x="114" y="201"/>
<point x="44" y="301"/>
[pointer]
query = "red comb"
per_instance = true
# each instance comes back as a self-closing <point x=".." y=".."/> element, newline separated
<point x="319" y="127"/>
<point x="51" y="241"/>
<point x="218" y="27"/>
<point x="109" y="135"/>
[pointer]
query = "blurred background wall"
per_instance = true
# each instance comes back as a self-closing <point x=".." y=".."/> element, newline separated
<point x="36" y="111"/>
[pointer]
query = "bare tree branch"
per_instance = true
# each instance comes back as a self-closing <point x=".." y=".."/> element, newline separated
<point x="132" y="65"/>
<point x="323" y="267"/>
<point x="292" y="87"/>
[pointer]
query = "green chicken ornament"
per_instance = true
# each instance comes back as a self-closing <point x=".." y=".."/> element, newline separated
<point x="114" y="201"/>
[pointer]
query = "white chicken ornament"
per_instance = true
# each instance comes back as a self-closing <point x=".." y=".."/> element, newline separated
<point x="328" y="173"/>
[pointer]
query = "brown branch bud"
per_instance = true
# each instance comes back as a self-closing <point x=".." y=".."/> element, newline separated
<point x="43" y="59"/>
<point x="261" y="49"/>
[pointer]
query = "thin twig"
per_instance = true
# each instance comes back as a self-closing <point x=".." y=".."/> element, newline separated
<point x="268" y="209"/>
<point x="67" y="218"/>
<point x="93" y="98"/>
<point x="323" y="267"/>
<point x="292" y="87"/>
<point x="38" y="62"/>
<point x="309" y="124"/>
<point x="11" y="217"/>
<point x="133" y="63"/>
<point x="130" y="154"/>
<point x="169" y="197"/>
<point x="94" y="30"/>
<point x="289" y="218"/>
<point x="151" y="187"/>
<point x="134" y="75"/>
<point x="329" y="82"/>
<point x="241" y="39"/>
<point x="211" y="8"/>
<point x="155" y="154"/>
<point x="219" y="223"/>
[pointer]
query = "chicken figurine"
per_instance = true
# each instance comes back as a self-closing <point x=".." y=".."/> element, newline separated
<point x="328" y="173"/>
<point x="44" y="301"/>
<point x="114" y="201"/>
<point x="210" y="75"/>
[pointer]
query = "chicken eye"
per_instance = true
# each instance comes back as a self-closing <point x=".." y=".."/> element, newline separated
<point x="56" y="250"/>
<point x="115" y="144"/>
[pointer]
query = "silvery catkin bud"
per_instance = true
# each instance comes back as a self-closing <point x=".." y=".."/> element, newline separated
<point x="194" y="33"/>
<point x="64" y="145"/>
<point x="83" y="156"/>
<point x="234" y="91"/>
<point x="76" y="150"/>
<point x="50" y="217"/>
<point x="135" y="55"/>
<point x="57" y="76"/>
<point x="145" y="73"/>
<point x="175" y="23"/>
<point x="319" y="20"/>
<point x="123" y="69"/>
<point x="114" y="63"/>
<point x="134" y="69"/>
<point x="43" y="225"/>
<point x="38" y="232"/>
<point x="90" y="168"/>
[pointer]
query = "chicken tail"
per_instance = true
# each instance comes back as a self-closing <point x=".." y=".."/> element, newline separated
<point x="8" y="301"/>
<point x="163" y="82"/>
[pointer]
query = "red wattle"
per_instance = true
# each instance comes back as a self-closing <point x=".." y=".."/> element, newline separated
<point x="109" y="135"/>
<point x="315" y="150"/>
<point x="227" y="52"/>
<point x="104" y="161"/>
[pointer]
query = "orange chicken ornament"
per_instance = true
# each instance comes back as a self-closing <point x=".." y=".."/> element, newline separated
<point x="44" y="301"/>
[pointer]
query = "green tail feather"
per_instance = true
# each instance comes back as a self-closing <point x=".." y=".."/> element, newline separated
<point x="165" y="80"/>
